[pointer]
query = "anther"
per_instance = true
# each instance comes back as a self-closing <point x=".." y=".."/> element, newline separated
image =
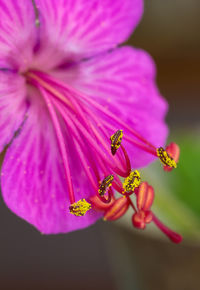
<point x="165" y="158"/>
<point x="80" y="207"/>
<point x="132" y="181"/>
<point x="105" y="184"/>
<point x="173" y="151"/>
<point x="116" y="140"/>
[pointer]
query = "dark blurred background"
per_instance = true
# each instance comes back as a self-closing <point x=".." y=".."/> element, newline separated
<point x="110" y="256"/>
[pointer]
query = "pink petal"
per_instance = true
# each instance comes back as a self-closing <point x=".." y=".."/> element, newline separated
<point x="123" y="83"/>
<point x="81" y="28"/>
<point x="13" y="106"/>
<point x="33" y="179"/>
<point x="18" y="33"/>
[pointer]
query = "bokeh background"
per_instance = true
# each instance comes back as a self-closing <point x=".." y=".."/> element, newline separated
<point x="114" y="255"/>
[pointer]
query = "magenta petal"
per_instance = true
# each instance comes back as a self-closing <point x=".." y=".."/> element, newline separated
<point x="86" y="27"/>
<point x="123" y="82"/>
<point x="12" y="105"/>
<point x="33" y="179"/>
<point x="18" y="32"/>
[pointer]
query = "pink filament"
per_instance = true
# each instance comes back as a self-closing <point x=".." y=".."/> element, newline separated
<point x="69" y="104"/>
<point x="61" y="143"/>
<point x="99" y="107"/>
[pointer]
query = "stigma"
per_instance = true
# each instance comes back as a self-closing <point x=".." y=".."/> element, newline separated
<point x="80" y="207"/>
<point x="116" y="140"/>
<point x="165" y="158"/>
<point x="132" y="181"/>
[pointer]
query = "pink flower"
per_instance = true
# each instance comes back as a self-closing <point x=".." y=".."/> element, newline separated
<point x="65" y="88"/>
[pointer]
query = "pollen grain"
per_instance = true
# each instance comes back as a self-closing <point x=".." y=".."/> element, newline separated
<point x="80" y="207"/>
<point x="116" y="140"/>
<point x="165" y="158"/>
<point x="132" y="181"/>
<point x="105" y="184"/>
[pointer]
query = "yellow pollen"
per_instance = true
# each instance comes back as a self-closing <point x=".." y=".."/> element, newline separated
<point x="132" y="181"/>
<point x="165" y="158"/>
<point x="105" y="184"/>
<point x="116" y="140"/>
<point x="80" y="207"/>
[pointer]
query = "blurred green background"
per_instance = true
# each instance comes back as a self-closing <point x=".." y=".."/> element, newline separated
<point x="115" y="256"/>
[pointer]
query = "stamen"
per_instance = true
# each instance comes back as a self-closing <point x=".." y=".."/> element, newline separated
<point x="61" y="143"/>
<point x="80" y="207"/>
<point x="131" y="182"/>
<point x="79" y="148"/>
<point x="101" y="123"/>
<point x="78" y="96"/>
<point x="76" y="106"/>
<point x="91" y="140"/>
<point x="71" y="125"/>
<point x="101" y="108"/>
<point x="83" y="161"/>
<point x="105" y="184"/>
<point x="143" y="147"/>
<point x="96" y="148"/>
<point x="101" y="127"/>
<point x="93" y="129"/>
<point x="115" y="118"/>
<point x="116" y="140"/>
<point x="118" y="164"/>
<point x="117" y="185"/>
<point x="165" y="158"/>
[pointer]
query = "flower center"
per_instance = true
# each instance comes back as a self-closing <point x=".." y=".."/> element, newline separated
<point x="89" y="131"/>
<point x="63" y="101"/>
